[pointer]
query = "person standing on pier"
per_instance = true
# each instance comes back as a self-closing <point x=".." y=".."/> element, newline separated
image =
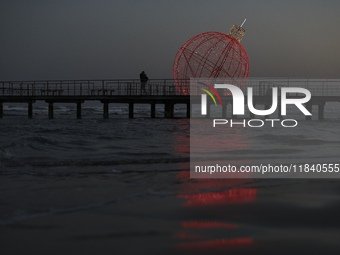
<point x="143" y="80"/>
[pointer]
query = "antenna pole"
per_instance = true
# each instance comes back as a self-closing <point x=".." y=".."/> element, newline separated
<point x="243" y="22"/>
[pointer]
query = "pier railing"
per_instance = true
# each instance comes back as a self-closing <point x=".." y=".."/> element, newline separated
<point x="157" y="87"/>
<point x="86" y="88"/>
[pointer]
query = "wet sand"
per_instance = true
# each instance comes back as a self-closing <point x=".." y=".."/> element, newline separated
<point x="169" y="213"/>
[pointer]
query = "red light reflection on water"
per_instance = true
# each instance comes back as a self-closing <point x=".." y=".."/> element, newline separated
<point x="220" y="197"/>
<point x="224" y="147"/>
<point x="205" y="183"/>
<point x="227" y="142"/>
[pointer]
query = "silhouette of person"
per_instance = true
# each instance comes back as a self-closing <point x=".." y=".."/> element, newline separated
<point x="143" y="80"/>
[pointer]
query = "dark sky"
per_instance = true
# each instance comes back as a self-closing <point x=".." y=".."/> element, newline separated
<point x="107" y="39"/>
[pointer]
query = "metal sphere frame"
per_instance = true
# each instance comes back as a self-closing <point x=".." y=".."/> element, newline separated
<point x="210" y="55"/>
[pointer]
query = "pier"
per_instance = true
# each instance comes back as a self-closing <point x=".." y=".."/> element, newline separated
<point x="158" y="92"/>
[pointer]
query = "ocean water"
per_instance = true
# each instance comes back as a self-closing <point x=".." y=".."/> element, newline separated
<point x="136" y="171"/>
<point x="65" y="147"/>
<point x="291" y="142"/>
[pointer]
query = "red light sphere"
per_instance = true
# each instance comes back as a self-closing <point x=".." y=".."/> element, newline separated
<point x="210" y="55"/>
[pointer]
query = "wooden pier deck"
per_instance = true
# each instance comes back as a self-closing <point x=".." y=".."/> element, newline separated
<point x="157" y="92"/>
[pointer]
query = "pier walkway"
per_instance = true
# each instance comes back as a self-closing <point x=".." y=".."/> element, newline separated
<point x="157" y="92"/>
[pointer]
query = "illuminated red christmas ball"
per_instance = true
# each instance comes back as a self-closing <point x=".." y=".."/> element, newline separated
<point x="211" y="55"/>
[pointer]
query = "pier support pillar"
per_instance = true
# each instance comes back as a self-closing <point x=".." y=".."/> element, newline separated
<point x="208" y="110"/>
<point x="1" y="110"/>
<point x="309" y="108"/>
<point x="169" y="110"/>
<point x="321" y="109"/>
<point x="30" y="110"/>
<point x="79" y="110"/>
<point x="232" y="112"/>
<point x="130" y="110"/>
<point x="279" y="112"/>
<point x="153" y="110"/>
<point x="251" y="115"/>
<point x="188" y="110"/>
<point x="106" y="110"/>
<point x="50" y="110"/>
<point x="266" y="107"/>
<point x="224" y="110"/>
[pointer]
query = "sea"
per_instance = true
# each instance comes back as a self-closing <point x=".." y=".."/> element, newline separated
<point x="131" y="178"/>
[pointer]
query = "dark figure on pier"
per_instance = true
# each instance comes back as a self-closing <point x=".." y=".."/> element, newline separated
<point x="143" y="80"/>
